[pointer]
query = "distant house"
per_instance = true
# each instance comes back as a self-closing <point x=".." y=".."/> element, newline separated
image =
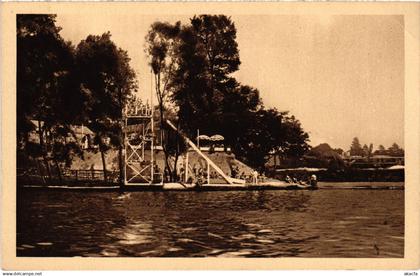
<point x="33" y="135"/>
<point x="83" y="135"/>
<point x="387" y="160"/>
<point x="376" y="161"/>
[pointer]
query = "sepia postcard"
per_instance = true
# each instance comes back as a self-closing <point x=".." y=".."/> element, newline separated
<point x="210" y="135"/>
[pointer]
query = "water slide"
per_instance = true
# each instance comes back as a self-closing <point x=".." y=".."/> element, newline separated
<point x="228" y="179"/>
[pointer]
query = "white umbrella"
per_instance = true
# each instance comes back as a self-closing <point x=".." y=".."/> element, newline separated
<point x="217" y="137"/>
<point x="203" y="137"/>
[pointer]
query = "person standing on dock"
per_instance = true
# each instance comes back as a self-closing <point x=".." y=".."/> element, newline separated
<point x="234" y="171"/>
<point x="313" y="181"/>
<point x="182" y="175"/>
<point x="255" y="177"/>
<point x="195" y="170"/>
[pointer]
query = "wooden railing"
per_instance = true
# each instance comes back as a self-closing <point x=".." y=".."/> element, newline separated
<point x="91" y="175"/>
<point x="68" y="175"/>
<point x="141" y="110"/>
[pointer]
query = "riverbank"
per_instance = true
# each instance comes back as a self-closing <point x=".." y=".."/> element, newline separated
<point x="223" y="187"/>
<point x="342" y="175"/>
<point x="80" y="177"/>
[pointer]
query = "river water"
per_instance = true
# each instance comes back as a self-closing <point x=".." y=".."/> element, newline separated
<point x="327" y="222"/>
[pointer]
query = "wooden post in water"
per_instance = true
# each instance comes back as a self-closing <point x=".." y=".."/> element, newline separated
<point x="40" y="172"/>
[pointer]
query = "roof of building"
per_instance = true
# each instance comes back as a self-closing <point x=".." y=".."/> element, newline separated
<point x="35" y="123"/>
<point x="77" y="129"/>
<point x="384" y="156"/>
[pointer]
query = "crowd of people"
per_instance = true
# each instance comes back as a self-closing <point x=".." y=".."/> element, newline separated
<point x="198" y="174"/>
<point x="310" y="181"/>
<point x="139" y="108"/>
<point x="251" y="177"/>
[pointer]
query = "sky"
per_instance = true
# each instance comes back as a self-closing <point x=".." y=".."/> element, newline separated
<point x="342" y="76"/>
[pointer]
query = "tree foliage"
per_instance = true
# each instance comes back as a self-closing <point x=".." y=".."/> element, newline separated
<point x="356" y="147"/>
<point x="325" y="157"/>
<point x="202" y="56"/>
<point x="59" y="85"/>
<point x="108" y="81"/>
<point x="45" y="83"/>
<point x="106" y="75"/>
<point x="395" y="150"/>
<point x="367" y="151"/>
<point x="161" y="43"/>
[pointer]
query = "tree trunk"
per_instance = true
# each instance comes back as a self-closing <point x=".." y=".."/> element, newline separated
<point x="58" y="171"/>
<point x="57" y="166"/>
<point x="177" y="151"/>
<point x="167" y="166"/>
<point x="104" y="165"/>
<point x="162" y="124"/>
<point x="121" y="152"/>
<point x="42" y="145"/>
<point x="165" y="152"/>
<point x="47" y="165"/>
<point x="175" y="167"/>
<point x="121" y="166"/>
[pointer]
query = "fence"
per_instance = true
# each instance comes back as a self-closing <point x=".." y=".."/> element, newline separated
<point x="59" y="176"/>
<point x="90" y="175"/>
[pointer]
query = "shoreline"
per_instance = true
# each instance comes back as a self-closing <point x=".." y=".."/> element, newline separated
<point x="224" y="187"/>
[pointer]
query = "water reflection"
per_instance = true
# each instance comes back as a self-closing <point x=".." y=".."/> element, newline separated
<point x="323" y="223"/>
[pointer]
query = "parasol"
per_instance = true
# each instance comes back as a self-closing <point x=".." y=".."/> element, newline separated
<point x="203" y="137"/>
<point x="217" y="137"/>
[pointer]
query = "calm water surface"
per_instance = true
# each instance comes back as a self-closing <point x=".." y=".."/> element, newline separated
<point x="321" y="223"/>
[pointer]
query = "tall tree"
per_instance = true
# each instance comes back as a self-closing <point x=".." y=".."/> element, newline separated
<point x="216" y="37"/>
<point x="106" y="75"/>
<point x="207" y="96"/>
<point x="370" y="151"/>
<point x="161" y="45"/>
<point x="365" y="149"/>
<point x="381" y="150"/>
<point x="395" y="150"/>
<point x="293" y="139"/>
<point x="240" y="106"/>
<point x="45" y="80"/>
<point x="207" y="56"/>
<point x="356" y="148"/>
<point x="267" y="132"/>
<point x="189" y="84"/>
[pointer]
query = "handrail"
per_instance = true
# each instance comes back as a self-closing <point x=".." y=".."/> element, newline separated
<point x="209" y="161"/>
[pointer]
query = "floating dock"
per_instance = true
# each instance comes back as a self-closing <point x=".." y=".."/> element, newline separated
<point x="176" y="186"/>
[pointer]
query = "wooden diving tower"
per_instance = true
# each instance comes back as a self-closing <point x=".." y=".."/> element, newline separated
<point x="138" y="144"/>
<point x="139" y="157"/>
